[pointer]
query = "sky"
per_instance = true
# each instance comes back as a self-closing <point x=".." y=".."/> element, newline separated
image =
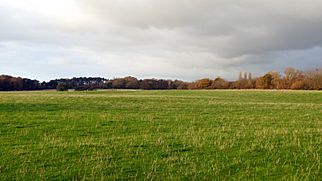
<point x="170" y="39"/>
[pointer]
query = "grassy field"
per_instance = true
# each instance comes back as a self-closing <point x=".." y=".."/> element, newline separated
<point x="161" y="135"/>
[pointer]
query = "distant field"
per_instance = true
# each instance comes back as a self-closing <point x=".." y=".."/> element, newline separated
<point x="161" y="135"/>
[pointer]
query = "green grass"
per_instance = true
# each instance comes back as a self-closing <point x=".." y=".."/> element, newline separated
<point x="161" y="135"/>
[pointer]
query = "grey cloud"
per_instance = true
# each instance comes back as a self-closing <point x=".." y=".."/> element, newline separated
<point x="263" y="26"/>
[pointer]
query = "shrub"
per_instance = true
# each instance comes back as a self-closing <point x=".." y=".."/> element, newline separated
<point x="61" y="87"/>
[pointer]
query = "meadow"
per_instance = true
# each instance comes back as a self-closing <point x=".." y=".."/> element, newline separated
<point x="161" y="135"/>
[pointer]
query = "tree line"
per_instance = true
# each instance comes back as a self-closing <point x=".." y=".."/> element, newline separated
<point x="289" y="79"/>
